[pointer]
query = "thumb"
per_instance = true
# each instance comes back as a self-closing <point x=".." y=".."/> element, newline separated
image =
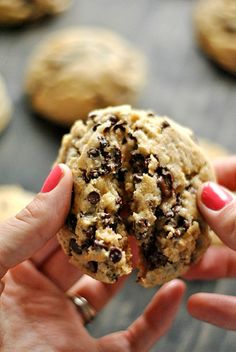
<point x="22" y="235"/>
<point x="218" y="207"/>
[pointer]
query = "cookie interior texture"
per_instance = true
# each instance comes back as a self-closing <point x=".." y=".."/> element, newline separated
<point x="135" y="174"/>
<point x="216" y="31"/>
<point x="76" y="70"/>
<point x="14" y="12"/>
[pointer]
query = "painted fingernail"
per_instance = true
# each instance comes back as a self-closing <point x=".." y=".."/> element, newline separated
<point x="215" y="197"/>
<point x="52" y="180"/>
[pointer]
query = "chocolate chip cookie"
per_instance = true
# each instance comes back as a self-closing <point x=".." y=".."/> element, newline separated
<point x="5" y="106"/>
<point x="135" y="175"/>
<point x="15" y="12"/>
<point x="215" y="22"/>
<point x="77" y="70"/>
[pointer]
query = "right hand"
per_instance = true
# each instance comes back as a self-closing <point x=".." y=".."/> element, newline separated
<point x="218" y="206"/>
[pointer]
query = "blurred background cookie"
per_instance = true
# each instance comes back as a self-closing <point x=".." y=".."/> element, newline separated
<point x="14" y="12"/>
<point x="5" y="106"/>
<point x="215" y="22"/>
<point x="77" y="70"/>
<point x="213" y="150"/>
<point x="12" y="200"/>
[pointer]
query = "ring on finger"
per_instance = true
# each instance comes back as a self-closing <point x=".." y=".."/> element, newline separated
<point x="85" y="309"/>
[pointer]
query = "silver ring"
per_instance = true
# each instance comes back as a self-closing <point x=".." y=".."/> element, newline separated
<point x="87" y="312"/>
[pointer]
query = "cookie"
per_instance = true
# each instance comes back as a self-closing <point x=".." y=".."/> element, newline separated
<point x="77" y="70"/>
<point x="136" y="175"/>
<point x="215" y="22"/>
<point x="12" y="200"/>
<point x="15" y="12"/>
<point x="5" y="106"/>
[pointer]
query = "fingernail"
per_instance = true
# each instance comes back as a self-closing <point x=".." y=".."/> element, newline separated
<point x="215" y="197"/>
<point x="52" y="180"/>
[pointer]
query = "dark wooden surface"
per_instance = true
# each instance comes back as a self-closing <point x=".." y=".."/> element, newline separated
<point x="182" y="84"/>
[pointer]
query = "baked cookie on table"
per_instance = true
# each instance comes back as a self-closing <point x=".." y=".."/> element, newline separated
<point x="136" y="175"/>
<point x="215" y="23"/>
<point x="16" y="12"/>
<point x="12" y="199"/>
<point x="77" y="70"/>
<point x="5" y="106"/>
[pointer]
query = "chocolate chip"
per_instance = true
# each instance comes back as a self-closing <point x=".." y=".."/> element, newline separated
<point x="159" y="212"/>
<point x="120" y="127"/>
<point x="124" y="141"/>
<point x="93" y="174"/>
<point x="85" y="177"/>
<point x="103" y="142"/>
<point x="170" y="214"/>
<point x="120" y="175"/>
<point x="150" y="114"/>
<point x="165" y="181"/>
<point x="92" y="266"/>
<point x="139" y="163"/>
<point x="137" y="178"/>
<point x="115" y="255"/>
<point x="90" y="231"/>
<point x="93" y="197"/>
<point x="164" y="185"/>
<point x="96" y="126"/>
<point x="113" y="225"/>
<point x="153" y="256"/>
<point x="114" y="119"/>
<point x="93" y="153"/>
<point x="119" y="201"/>
<point x="164" y="125"/>
<point x="183" y="223"/>
<point x="105" y="169"/>
<point x="141" y="228"/>
<point x="92" y="116"/>
<point x="132" y="137"/>
<point x="71" y="221"/>
<point x="74" y="246"/>
<point x="106" y="129"/>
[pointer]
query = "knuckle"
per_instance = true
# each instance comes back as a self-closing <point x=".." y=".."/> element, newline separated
<point x="31" y="212"/>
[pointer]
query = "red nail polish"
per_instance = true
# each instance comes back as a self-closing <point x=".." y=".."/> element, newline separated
<point x="52" y="180"/>
<point x="215" y="197"/>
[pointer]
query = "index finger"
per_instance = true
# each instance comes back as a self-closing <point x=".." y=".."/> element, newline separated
<point x="21" y="236"/>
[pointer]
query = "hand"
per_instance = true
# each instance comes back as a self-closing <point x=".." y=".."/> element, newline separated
<point x="35" y="313"/>
<point x="218" y="206"/>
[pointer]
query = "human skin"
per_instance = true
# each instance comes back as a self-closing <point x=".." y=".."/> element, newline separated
<point x="35" y="312"/>
<point x="219" y="261"/>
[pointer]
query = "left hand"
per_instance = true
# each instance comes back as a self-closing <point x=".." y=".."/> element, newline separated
<point x="219" y="261"/>
<point x="36" y="314"/>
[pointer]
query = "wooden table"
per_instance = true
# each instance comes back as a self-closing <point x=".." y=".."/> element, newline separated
<point x="182" y="84"/>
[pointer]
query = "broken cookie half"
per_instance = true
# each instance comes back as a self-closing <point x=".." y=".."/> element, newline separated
<point x="135" y="174"/>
